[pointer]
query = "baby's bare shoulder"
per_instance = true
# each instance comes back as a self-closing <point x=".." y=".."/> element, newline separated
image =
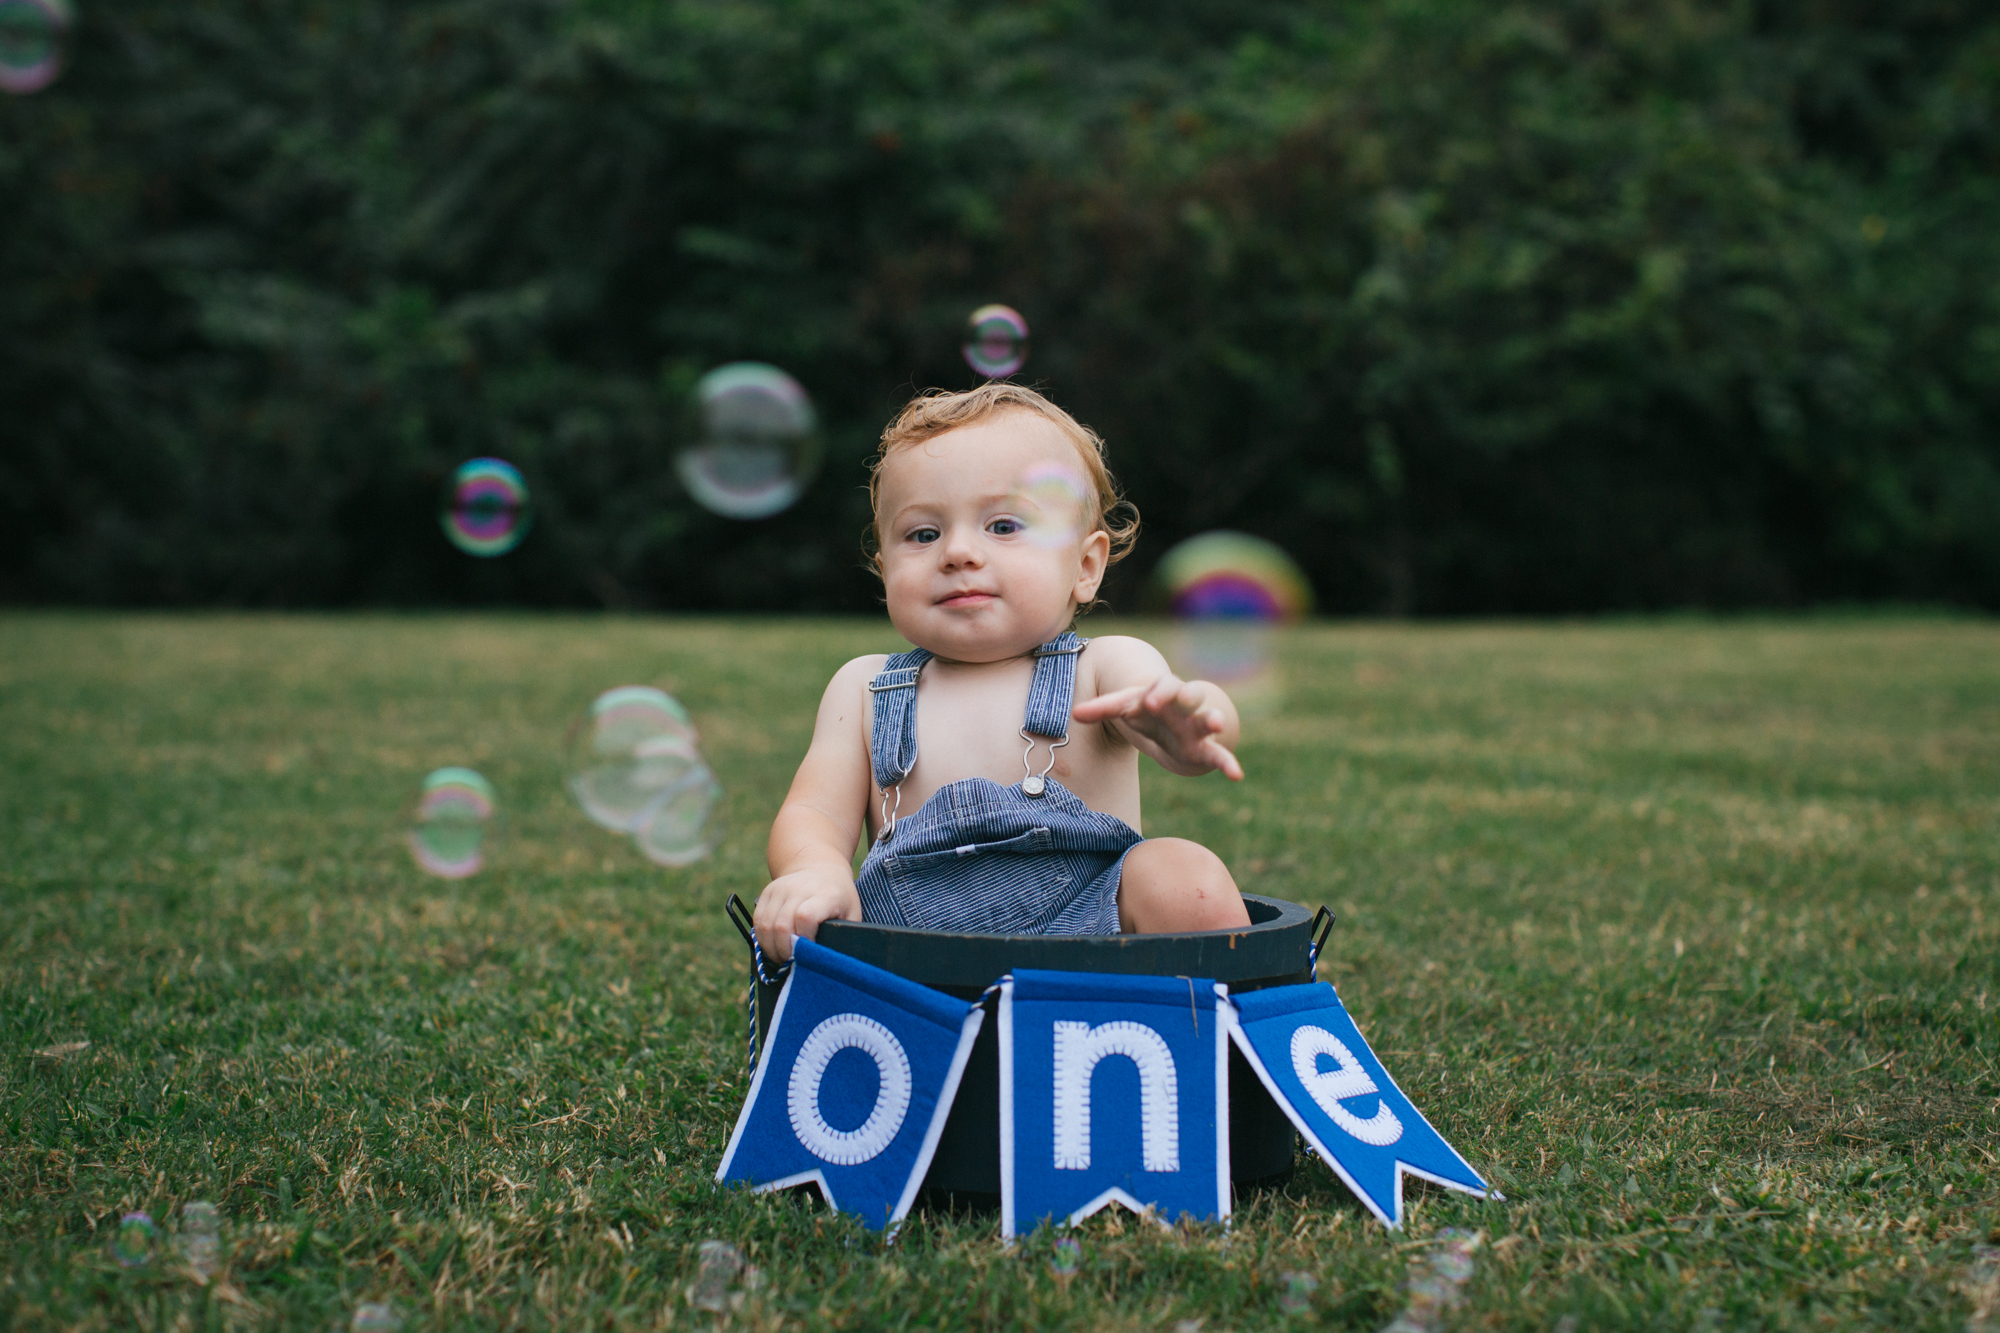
<point x="1115" y="661"/>
<point x="851" y="681"/>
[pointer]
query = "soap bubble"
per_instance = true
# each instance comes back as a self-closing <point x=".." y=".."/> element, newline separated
<point x="634" y="766"/>
<point x="453" y="818"/>
<point x="1067" y="1259"/>
<point x="485" y="509"/>
<point x="721" y="1263"/>
<point x="32" y="34"/>
<point x="1231" y="594"/>
<point x="375" y="1317"/>
<point x="996" y="341"/>
<point x="1297" y="1296"/>
<point x="685" y="823"/>
<point x="631" y="744"/>
<point x="1234" y="576"/>
<point x="758" y="442"/>
<point x="1055" y="502"/>
<point x="132" y="1247"/>
<point x="201" y="1238"/>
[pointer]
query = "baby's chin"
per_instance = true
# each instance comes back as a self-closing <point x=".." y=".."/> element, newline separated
<point x="972" y="639"/>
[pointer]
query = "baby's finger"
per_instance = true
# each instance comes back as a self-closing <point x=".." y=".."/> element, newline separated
<point x="1223" y="758"/>
<point x="1166" y="693"/>
<point x="1115" y="704"/>
<point x="776" y="942"/>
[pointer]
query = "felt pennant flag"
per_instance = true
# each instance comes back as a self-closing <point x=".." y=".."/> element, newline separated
<point x="856" y="1080"/>
<point x="1112" y="1089"/>
<point x="1310" y="1055"/>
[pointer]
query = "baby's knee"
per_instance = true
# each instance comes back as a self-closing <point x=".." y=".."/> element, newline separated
<point x="1171" y="884"/>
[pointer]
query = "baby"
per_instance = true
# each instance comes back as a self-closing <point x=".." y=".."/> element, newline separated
<point x="987" y="811"/>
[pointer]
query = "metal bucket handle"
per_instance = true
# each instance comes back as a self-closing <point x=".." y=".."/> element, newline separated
<point x="1322" y="926"/>
<point x="739" y="917"/>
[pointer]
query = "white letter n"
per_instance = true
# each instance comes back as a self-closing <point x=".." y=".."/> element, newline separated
<point x="1079" y="1047"/>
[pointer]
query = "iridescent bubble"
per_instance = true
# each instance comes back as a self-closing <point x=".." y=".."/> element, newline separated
<point x="32" y="36"/>
<point x="634" y="766"/>
<point x="375" y="1317"/>
<point x="201" y="1238"/>
<point x="1067" y="1259"/>
<point x="1297" y="1296"/>
<point x="1234" y="576"/>
<point x="685" y="823"/>
<point x="132" y="1247"/>
<point x="757" y="447"/>
<point x="720" y="1262"/>
<point x="453" y="820"/>
<point x="996" y="341"/>
<point x="1232" y="594"/>
<point x="486" y="507"/>
<point x="1055" y="502"/>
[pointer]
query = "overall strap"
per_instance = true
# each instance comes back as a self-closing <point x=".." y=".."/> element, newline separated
<point x="1053" y="692"/>
<point x="892" y="744"/>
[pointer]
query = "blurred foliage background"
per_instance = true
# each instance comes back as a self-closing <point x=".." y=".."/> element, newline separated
<point x="1473" y="307"/>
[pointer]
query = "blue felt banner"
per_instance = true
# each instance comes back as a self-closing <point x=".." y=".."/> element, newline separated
<point x="1310" y="1055"/>
<point x="1112" y="1089"/>
<point x="857" y="1077"/>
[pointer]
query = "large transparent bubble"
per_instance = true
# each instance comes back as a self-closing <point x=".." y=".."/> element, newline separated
<point x="634" y="766"/>
<point x="1233" y="576"/>
<point x="451" y="830"/>
<point x="33" y="34"/>
<point x="485" y="510"/>
<point x="1232" y="595"/>
<point x="996" y="341"/>
<point x="756" y="448"/>
<point x="685" y="823"/>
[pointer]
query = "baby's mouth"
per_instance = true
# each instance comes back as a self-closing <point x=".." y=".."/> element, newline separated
<point x="967" y="597"/>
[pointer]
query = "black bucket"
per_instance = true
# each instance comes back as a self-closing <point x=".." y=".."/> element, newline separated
<point x="1276" y="949"/>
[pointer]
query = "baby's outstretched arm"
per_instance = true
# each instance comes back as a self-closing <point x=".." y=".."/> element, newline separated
<point x="1189" y="726"/>
<point x="814" y="836"/>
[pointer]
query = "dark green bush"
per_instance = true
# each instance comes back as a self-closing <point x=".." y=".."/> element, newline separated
<point x="1556" y="306"/>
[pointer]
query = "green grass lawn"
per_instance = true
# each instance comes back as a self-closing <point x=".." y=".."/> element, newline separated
<point x="1684" y="932"/>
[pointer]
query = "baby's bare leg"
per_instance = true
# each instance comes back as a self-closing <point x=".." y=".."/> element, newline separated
<point x="1173" y="884"/>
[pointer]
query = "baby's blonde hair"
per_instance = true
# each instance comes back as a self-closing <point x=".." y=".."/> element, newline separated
<point x="935" y="411"/>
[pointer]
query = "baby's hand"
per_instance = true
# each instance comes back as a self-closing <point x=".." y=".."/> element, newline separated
<point x="796" y="903"/>
<point x="1170" y="719"/>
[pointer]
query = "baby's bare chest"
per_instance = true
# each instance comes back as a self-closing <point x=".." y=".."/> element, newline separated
<point x="969" y="724"/>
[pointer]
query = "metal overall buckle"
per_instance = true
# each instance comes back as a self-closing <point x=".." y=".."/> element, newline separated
<point x="1036" y="783"/>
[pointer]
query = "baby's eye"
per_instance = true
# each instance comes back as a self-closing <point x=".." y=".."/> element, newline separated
<point x="1005" y="527"/>
<point x="922" y="536"/>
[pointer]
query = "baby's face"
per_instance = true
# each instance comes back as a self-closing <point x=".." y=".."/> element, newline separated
<point x="988" y="543"/>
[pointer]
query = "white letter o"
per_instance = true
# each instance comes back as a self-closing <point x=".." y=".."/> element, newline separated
<point x="849" y="1147"/>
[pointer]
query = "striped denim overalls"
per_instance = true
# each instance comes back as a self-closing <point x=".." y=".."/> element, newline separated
<point x="1030" y="859"/>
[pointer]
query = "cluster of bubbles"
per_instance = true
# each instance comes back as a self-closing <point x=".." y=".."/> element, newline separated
<point x="485" y="511"/>
<point x="751" y="451"/>
<point x="452" y="828"/>
<point x="756" y="446"/>
<point x="32" y="36"/>
<point x="198" y="1243"/>
<point x="996" y="341"/>
<point x="1230" y="593"/>
<point x="633" y="763"/>
<point x="635" y="767"/>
